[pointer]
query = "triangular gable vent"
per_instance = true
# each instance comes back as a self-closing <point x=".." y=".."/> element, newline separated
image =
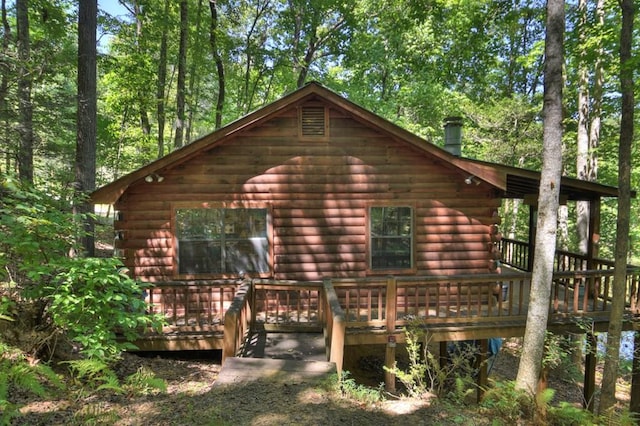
<point x="313" y="121"/>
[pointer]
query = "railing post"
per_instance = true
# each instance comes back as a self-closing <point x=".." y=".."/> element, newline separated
<point x="234" y="328"/>
<point x="390" y="353"/>
<point x="338" y="326"/>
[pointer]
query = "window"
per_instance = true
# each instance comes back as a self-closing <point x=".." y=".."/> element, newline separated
<point x="391" y="233"/>
<point x="222" y="241"/>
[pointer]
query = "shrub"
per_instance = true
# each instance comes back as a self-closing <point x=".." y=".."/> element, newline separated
<point x="87" y="298"/>
<point x="426" y="373"/>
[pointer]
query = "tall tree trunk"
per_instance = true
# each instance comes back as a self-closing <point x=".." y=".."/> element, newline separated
<point x="538" y="312"/>
<point x="25" y="126"/>
<point x="4" y="88"/>
<point x="194" y="75"/>
<point x="213" y="41"/>
<point x="582" y="155"/>
<point x="87" y="112"/>
<point x="145" y="125"/>
<point x="596" y="97"/>
<point x="182" y="71"/>
<point x="612" y="359"/>
<point x="162" y="80"/>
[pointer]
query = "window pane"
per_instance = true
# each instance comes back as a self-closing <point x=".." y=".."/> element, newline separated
<point x="222" y="240"/>
<point x="391" y="235"/>
<point x="198" y="223"/>
<point x="199" y="257"/>
<point x="249" y="255"/>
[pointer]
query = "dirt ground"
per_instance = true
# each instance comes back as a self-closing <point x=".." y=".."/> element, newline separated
<point x="191" y="399"/>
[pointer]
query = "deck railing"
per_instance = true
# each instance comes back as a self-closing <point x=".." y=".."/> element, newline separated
<point x="237" y="320"/>
<point x="474" y="299"/>
<point x="288" y="305"/>
<point x="334" y="325"/>
<point x="192" y="305"/>
<point x="517" y="254"/>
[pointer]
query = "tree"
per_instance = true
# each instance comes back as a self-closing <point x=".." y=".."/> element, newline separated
<point x="588" y="132"/>
<point x="182" y="70"/>
<point x="213" y="42"/>
<point x="87" y="112"/>
<point x="25" y="82"/>
<point x="4" y="86"/>
<point x="162" y="80"/>
<point x="548" y="202"/>
<point x="610" y="373"/>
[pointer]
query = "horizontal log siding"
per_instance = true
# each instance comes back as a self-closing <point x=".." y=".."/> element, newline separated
<point x="319" y="191"/>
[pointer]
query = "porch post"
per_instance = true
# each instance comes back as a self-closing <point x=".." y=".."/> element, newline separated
<point x="590" y="371"/>
<point x="390" y="351"/>
<point x="483" y="372"/>
<point x="594" y="232"/>
<point x="592" y="243"/>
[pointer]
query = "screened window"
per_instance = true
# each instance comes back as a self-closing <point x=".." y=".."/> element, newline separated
<point x="391" y="232"/>
<point x="219" y="241"/>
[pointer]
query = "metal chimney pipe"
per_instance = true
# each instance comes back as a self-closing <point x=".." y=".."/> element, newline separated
<point x="453" y="135"/>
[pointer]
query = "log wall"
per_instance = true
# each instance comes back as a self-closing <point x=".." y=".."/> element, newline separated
<point x="318" y="192"/>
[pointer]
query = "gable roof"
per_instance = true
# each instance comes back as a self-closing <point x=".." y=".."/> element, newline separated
<point x="511" y="182"/>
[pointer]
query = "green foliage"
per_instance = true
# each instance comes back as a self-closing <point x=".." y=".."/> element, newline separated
<point x="503" y="401"/>
<point x="453" y="380"/>
<point x="88" y="298"/>
<point x="144" y="382"/>
<point x="94" y="375"/>
<point x="569" y="415"/>
<point x="92" y="301"/>
<point x="5" y="308"/>
<point x="17" y="373"/>
<point x="349" y="388"/>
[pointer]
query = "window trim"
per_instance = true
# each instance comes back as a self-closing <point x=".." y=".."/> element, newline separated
<point x="368" y="248"/>
<point x="219" y="205"/>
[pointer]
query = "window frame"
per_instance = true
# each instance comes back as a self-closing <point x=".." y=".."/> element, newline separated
<point x="369" y="243"/>
<point x="220" y="205"/>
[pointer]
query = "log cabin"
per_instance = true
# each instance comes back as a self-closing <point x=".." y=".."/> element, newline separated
<point x="313" y="186"/>
<point x="316" y="212"/>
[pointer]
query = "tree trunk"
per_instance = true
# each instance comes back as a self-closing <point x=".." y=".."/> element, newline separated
<point x="545" y="243"/>
<point x="4" y="89"/>
<point x="194" y="75"/>
<point x="87" y="111"/>
<point x="610" y="373"/>
<point x="213" y="41"/>
<point x="162" y="80"/>
<point x="588" y="118"/>
<point x="25" y="126"/>
<point x="145" y="125"/>
<point x="582" y="155"/>
<point x="182" y="71"/>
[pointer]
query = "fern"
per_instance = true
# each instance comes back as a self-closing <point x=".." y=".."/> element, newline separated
<point x="17" y="372"/>
<point x="94" y="375"/>
<point x="144" y="382"/>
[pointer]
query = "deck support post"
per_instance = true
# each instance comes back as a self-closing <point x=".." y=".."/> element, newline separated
<point x="634" y="405"/>
<point x="590" y="372"/>
<point x="390" y="352"/>
<point x="483" y="371"/>
<point x="444" y="354"/>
